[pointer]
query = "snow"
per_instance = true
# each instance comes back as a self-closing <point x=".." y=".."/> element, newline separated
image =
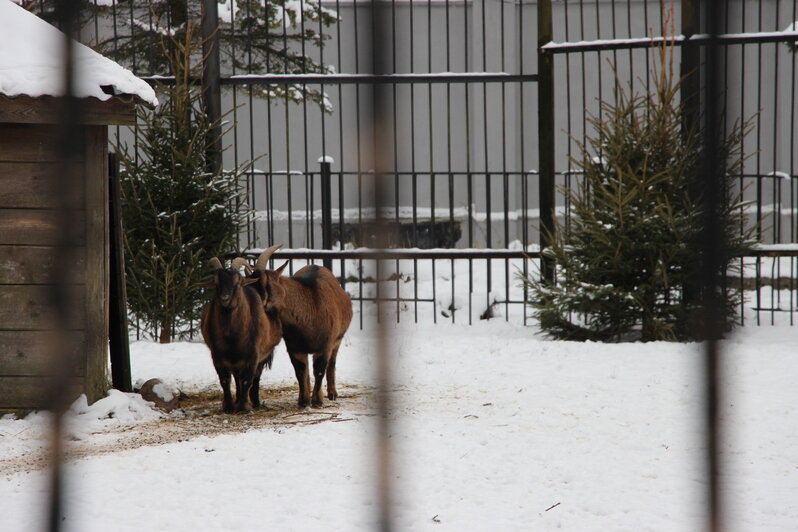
<point x="493" y="428"/>
<point x="36" y="69"/>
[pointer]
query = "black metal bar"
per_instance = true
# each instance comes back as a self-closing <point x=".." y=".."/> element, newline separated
<point x="385" y="470"/>
<point x="394" y="254"/>
<point x="211" y="92"/>
<point x="70" y="149"/>
<point x="546" y="135"/>
<point x="361" y="79"/>
<point x="691" y="57"/>
<point x="326" y="209"/>
<point x="653" y="42"/>
<point x="710" y="273"/>
<point x="118" y="340"/>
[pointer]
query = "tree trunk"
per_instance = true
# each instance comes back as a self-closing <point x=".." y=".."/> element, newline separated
<point x="166" y="332"/>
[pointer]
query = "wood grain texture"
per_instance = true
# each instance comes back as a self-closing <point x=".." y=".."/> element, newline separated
<point x="29" y="393"/>
<point x="30" y="143"/>
<point x="34" y="227"/>
<point x="29" y="353"/>
<point x="31" y="185"/>
<point x="45" y="110"/>
<point x="97" y="262"/>
<point x="29" y="307"/>
<point x="34" y="265"/>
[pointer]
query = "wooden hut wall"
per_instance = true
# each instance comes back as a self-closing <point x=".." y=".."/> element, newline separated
<point x="29" y="229"/>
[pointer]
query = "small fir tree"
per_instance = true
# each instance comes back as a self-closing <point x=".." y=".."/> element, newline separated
<point x="628" y="263"/>
<point x="177" y="214"/>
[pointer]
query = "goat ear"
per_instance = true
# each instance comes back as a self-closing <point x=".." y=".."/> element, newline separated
<point x="281" y="268"/>
<point x="206" y="284"/>
<point x="249" y="280"/>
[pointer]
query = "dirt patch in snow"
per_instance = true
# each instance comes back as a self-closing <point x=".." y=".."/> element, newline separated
<point x="200" y="414"/>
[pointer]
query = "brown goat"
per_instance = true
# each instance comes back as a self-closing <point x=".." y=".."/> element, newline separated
<point x="239" y="334"/>
<point x="315" y="312"/>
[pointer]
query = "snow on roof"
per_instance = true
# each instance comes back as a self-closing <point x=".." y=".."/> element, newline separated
<point x="31" y="62"/>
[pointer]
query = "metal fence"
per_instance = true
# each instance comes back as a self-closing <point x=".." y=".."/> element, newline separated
<point x="488" y="158"/>
<point x="480" y="126"/>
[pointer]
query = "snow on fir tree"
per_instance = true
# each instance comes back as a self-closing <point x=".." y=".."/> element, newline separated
<point x="627" y="261"/>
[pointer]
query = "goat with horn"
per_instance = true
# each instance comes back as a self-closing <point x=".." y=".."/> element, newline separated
<point x="239" y="334"/>
<point x="315" y="312"/>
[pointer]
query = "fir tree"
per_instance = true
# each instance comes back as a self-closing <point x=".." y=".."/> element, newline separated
<point x="177" y="214"/>
<point x="628" y="261"/>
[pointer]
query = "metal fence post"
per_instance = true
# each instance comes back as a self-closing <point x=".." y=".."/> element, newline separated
<point x="211" y="88"/>
<point x="325" y="172"/>
<point x="688" y="68"/>
<point x="545" y="136"/>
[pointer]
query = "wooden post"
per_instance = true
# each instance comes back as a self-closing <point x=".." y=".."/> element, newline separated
<point x="117" y="325"/>
<point x="545" y="136"/>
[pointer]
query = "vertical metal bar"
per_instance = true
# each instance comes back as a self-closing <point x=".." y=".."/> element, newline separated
<point x="711" y="266"/>
<point x="793" y="219"/>
<point x="382" y="152"/>
<point x="71" y="148"/>
<point x="546" y="136"/>
<point x="211" y="89"/>
<point x="688" y="68"/>
<point x="414" y="175"/>
<point x="118" y="341"/>
<point x="326" y="209"/>
<point x="524" y="181"/>
<point x="431" y="159"/>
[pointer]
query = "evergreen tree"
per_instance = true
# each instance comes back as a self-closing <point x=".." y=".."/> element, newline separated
<point x="628" y="262"/>
<point x="177" y="214"/>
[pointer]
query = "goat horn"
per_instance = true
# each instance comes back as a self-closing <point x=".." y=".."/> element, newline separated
<point x="238" y="262"/>
<point x="215" y="264"/>
<point x="264" y="257"/>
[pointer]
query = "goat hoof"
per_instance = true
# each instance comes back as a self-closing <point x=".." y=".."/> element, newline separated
<point x="303" y="403"/>
<point x="332" y="396"/>
<point x="317" y="403"/>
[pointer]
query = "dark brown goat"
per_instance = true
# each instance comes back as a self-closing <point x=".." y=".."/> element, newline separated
<point x="315" y="312"/>
<point x="239" y="334"/>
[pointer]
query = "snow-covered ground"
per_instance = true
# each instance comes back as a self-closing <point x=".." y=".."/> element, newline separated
<point x="494" y="428"/>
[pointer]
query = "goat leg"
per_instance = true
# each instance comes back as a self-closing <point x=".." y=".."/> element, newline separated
<point x="244" y="380"/>
<point x="319" y="369"/>
<point x="254" y="392"/>
<point x="332" y="393"/>
<point x="224" y="381"/>
<point x="300" y="362"/>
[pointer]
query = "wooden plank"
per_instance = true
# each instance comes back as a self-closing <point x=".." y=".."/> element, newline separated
<point x="97" y="262"/>
<point x="30" y="143"/>
<point x="29" y="393"/>
<point x="31" y="185"/>
<point x="29" y="353"/>
<point x="45" y="110"/>
<point x="33" y="265"/>
<point x="33" y="227"/>
<point x="29" y="307"/>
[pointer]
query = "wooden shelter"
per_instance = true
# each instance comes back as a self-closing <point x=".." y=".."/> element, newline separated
<point x="30" y="165"/>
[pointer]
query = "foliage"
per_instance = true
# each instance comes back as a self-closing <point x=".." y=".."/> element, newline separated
<point x="177" y="213"/>
<point x="629" y="260"/>
<point x="256" y="37"/>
